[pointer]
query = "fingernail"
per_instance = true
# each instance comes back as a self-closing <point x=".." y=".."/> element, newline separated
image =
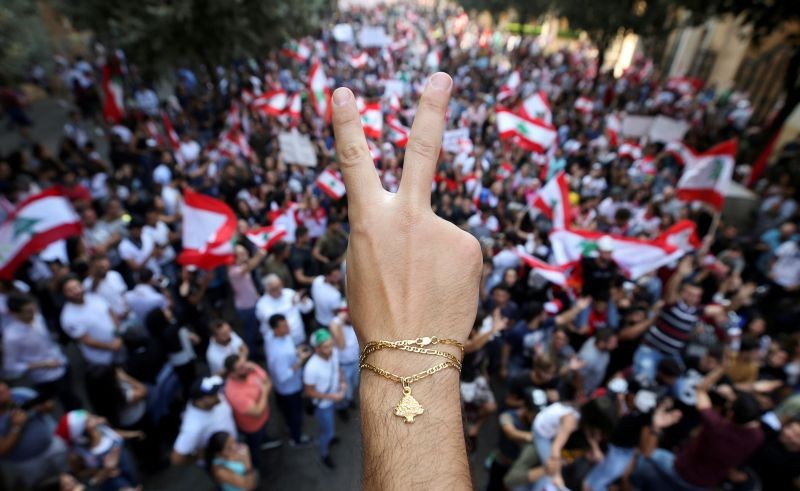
<point x="441" y="81"/>
<point x="342" y="96"/>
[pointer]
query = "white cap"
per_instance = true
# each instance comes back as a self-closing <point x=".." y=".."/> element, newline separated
<point x="605" y="244"/>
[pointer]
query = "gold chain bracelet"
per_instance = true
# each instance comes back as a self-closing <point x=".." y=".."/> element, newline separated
<point x="408" y="407"/>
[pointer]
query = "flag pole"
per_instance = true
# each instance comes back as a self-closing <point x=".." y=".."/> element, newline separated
<point x="712" y="231"/>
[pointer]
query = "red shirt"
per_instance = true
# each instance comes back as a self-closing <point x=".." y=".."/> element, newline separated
<point x="720" y="446"/>
<point x="242" y="395"/>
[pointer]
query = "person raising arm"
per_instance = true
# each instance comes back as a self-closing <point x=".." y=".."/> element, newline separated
<point x="409" y="274"/>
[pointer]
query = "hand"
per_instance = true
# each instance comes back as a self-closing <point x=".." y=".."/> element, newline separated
<point x="553" y="466"/>
<point x="576" y="364"/>
<point x="194" y="338"/>
<point x="338" y="397"/>
<point x="50" y="364"/>
<point x="18" y="417"/>
<point x="686" y="266"/>
<point x="583" y="303"/>
<point x="116" y="344"/>
<point x="409" y="272"/>
<point x="767" y="385"/>
<point x="664" y="416"/>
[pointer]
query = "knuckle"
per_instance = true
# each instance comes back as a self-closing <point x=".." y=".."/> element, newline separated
<point x="422" y="147"/>
<point x="351" y="153"/>
<point x="432" y="104"/>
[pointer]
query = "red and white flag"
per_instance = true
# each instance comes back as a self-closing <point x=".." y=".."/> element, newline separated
<point x="504" y="171"/>
<point x="397" y="133"/>
<point x="630" y="150"/>
<point x="635" y="257"/>
<point x="394" y="103"/>
<point x="509" y="88"/>
<point x="554" y="274"/>
<point x="172" y="135"/>
<point x="681" y="151"/>
<point x="273" y="102"/>
<point x="537" y="107"/>
<point x="707" y="177"/>
<point x="113" y="96"/>
<point x="265" y="237"/>
<point x="359" y="60"/>
<point x="35" y="223"/>
<point x="682" y="235"/>
<point x="528" y="134"/>
<point x="299" y="51"/>
<point x="331" y="184"/>
<point x="209" y="229"/>
<point x="584" y="105"/>
<point x="320" y="91"/>
<point x="374" y="151"/>
<point x="613" y="129"/>
<point x="294" y="109"/>
<point x="553" y="201"/>
<point x="372" y="120"/>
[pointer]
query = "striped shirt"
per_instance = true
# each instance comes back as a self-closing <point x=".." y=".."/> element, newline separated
<point x="671" y="330"/>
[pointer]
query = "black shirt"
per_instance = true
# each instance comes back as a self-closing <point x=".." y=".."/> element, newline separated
<point x="597" y="279"/>
<point x="777" y="467"/>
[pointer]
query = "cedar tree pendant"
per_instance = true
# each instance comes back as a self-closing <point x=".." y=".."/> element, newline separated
<point x="408" y="407"/>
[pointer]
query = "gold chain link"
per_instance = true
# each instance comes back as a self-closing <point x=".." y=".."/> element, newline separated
<point x="406" y="381"/>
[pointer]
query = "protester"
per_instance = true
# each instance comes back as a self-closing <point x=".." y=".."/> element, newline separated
<point x="326" y="385"/>
<point x="224" y="343"/>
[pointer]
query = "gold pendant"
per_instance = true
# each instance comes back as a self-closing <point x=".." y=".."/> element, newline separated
<point x="408" y="407"/>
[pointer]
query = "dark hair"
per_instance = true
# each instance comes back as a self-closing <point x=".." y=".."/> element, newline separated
<point x="501" y="286"/>
<point x="215" y="445"/>
<point x="144" y="275"/>
<point x="279" y="247"/>
<point x="749" y="343"/>
<point x="604" y="334"/>
<point x="329" y="268"/>
<point x="745" y="408"/>
<point x="105" y="394"/>
<point x="601" y="414"/>
<point x="66" y="280"/>
<point x="300" y="231"/>
<point x="668" y="367"/>
<point x="532" y="310"/>
<point x="275" y="319"/>
<point x="16" y="301"/>
<point x="216" y="324"/>
<point x="230" y="363"/>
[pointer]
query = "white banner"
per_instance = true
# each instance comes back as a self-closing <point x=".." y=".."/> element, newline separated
<point x="297" y="149"/>
<point x="343" y="33"/>
<point x="636" y="126"/>
<point x="373" y="37"/>
<point x="667" y="130"/>
<point x="457" y="141"/>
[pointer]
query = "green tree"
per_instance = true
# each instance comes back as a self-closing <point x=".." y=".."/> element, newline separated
<point x="763" y="17"/>
<point x="159" y="34"/>
<point x="23" y="38"/>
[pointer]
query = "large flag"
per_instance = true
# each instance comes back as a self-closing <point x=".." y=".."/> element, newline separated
<point x="319" y="91"/>
<point x="272" y="102"/>
<point x="113" y="98"/>
<point x="299" y="51"/>
<point x="553" y="201"/>
<point x="630" y="150"/>
<point x="331" y="184"/>
<point x="708" y="176"/>
<point x="34" y="224"/>
<point x="398" y="133"/>
<point x="266" y="237"/>
<point x="635" y="257"/>
<point x="528" y="134"/>
<point x="294" y="109"/>
<point x="682" y="235"/>
<point x="537" y="107"/>
<point x="372" y="120"/>
<point x="682" y="152"/>
<point x="553" y="274"/>
<point x="208" y="234"/>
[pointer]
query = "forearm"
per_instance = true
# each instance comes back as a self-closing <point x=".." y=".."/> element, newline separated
<point x="409" y="456"/>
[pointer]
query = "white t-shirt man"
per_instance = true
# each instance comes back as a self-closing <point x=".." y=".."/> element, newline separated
<point x="198" y="426"/>
<point x="92" y="318"/>
<point x="112" y="289"/>
<point x="327" y="298"/>
<point x="323" y="375"/>
<point x="190" y="151"/>
<point x="129" y="251"/>
<point x="285" y="304"/>
<point x="786" y="268"/>
<point x="160" y="235"/>
<point x="143" y="299"/>
<point x="216" y="353"/>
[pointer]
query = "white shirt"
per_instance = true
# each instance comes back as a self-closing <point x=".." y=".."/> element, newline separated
<point x="143" y="299"/>
<point x="216" y="353"/>
<point x="285" y="304"/>
<point x="198" y="426"/>
<point x="323" y="375"/>
<point x="160" y="236"/>
<point x="327" y="298"/>
<point x="786" y="269"/>
<point x="281" y="357"/>
<point x="189" y="151"/>
<point x="112" y="289"/>
<point x="548" y="420"/>
<point x="490" y="223"/>
<point x="25" y="344"/>
<point x="129" y="251"/>
<point x="91" y="318"/>
<point x="350" y="353"/>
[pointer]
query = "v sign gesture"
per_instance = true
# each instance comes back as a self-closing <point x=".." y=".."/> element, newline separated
<point x="409" y="274"/>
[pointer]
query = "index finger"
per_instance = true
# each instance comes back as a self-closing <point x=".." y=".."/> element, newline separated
<point x="360" y="179"/>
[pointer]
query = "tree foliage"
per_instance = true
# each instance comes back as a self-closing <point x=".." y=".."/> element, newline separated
<point x="23" y="38"/>
<point x="161" y="33"/>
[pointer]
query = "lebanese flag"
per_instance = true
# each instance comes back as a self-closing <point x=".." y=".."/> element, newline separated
<point x="394" y="103"/>
<point x="113" y="98"/>
<point x="397" y="133"/>
<point x="209" y="228"/>
<point x="584" y="104"/>
<point x="331" y="184"/>
<point x="645" y="166"/>
<point x="172" y="135"/>
<point x="682" y="235"/>
<point x="505" y="171"/>
<point x="613" y="129"/>
<point x="630" y="150"/>
<point x="294" y="108"/>
<point x="537" y="107"/>
<point x="233" y="143"/>
<point x="273" y="102"/>
<point x="528" y="134"/>
<point x="636" y="257"/>
<point x="298" y="51"/>
<point x="284" y="218"/>
<point x="372" y="120"/>
<point x="35" y="223"/>
<point x="509" y="88"/>
<point x="265" y="237"/>
<point x="707" y="177"/>
<point x="360" y="60"/>
<point x="553" y="274"/>
<point x="682" y="152"/>
<point x="553" y="201"/>
<point x="319" y="91"/>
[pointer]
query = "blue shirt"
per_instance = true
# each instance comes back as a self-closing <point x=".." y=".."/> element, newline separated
<point x="281" y="357"/>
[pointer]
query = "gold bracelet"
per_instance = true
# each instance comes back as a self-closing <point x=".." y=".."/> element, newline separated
<point x="408" y="407"/>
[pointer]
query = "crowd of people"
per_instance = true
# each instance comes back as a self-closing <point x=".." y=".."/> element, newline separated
<point x="684" y="377"/>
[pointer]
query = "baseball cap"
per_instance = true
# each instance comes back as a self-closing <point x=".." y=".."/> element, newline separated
<point x="605" y="244"/>
<point x="206" y="386"/>
<point x="320" y="336"/>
